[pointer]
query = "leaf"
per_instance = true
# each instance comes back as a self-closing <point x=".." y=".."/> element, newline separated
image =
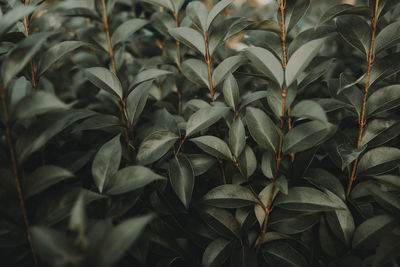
<point x="8" y="20"/>
<point x="130" y="178"/>
<point x="56" y="52"/>
<point x="43" y="178"/>
<point x="105" y="79"/>
<point x="196" y="71"/>
<point x="384" y="68"/>
<point x="204" y="118"/>
<point x="379" y="161"/>
<point x="216" y="253"/>
<point x="126" y="29"/>
<point x="300" y="59"/>
<point x="355" y="31"/>
<point x="229" y="196"/>
<point x="217" y="9"/>
<point x="387" y="37"/>
<point x="154" y="146"/>
<point x="231" y="92"/>
<point x="306" y="135"/>
<point x="181" y="176"/>
<point x="262" y="129"/>
<point x="118" y="241"/>
<point x="106" y="162"/>
<point x="147" y="75"/>
<point x="198" y="13"/>
<point x="243" y="256"/>
<point x="163" y="21"/>
<point x="369" y="230"/>
<point x="378" y="132"/>
<point x="282" y="254"/>
<point x="201" y="163"/>
<point x="325" y="180"/>
<point x="265" y="25"/>
<point x="168" y="4"/>
<point x="387" y="251"/>
<point x="237" y="137"/>
<point x="268" y="164"/>
<point x="81" y="12"/>
<point x="310" y="110"/>
<point x="221" y="221"/>
<point x="266" y="63"/>
<point x="225" y="68"/>
<point x="213" y="146"/>
<point x="136" y="101"/>
<point x="265" y="196"/>
<point x="306" y="199"/>
<point x="77" y="221"/>
<point x="37" y="104"/>
<point x="294" y="12"/>
<point x="21" y="54"/>
<point x="344" y="9"/>
<point x="248" y="161"/>
<point x="190" y="37"/>
<point x="383" y="99"/>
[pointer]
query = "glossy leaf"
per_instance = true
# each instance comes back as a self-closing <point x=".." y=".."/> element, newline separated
<point x="229" y="196"/>
<point x="155" y="146"/>
<point x="181" y="176"/>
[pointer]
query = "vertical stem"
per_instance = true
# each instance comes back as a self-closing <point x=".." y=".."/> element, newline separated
<point x="221" y="165"/>
<point x="106" y="26"/>
<point x="15" y="173"/>
<point x="178" y="49"/>
<point x="207" y="59"/>
<point x="363" y="120"/>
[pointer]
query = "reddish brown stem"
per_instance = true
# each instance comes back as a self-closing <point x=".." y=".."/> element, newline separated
<point x="180" y="146"/>
<point x="16" y="175"/>
<point x="207" y="59"/>
<point x="178" y="65"/>
<point x="106" y="26"/>
<point x="363" y="120"/>
<point x="221" y="165"/>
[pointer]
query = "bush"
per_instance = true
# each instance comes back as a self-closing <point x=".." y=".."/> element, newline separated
<point x="168" y="133"/>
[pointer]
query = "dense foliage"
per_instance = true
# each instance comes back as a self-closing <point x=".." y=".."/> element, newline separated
<point x="190" y="133"/>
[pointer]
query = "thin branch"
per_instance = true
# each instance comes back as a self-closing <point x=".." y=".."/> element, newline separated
<point x="178" y="52"/>
<point x="207" y="59"/>
<point x="363" y="120"/>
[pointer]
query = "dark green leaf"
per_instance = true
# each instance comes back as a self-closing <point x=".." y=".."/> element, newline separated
<point x="196" y="71"/>
<point x="216" y="253"/>
<point x="237" y="137"/>
<point x="229" y="196"/>
<point x="204" y="118"/>
<point x="367" y="232"/>
<point x="383" y="99"/>
<point x="227" y="66"/>
<point x="104" y="79"/>
<point x="213" y="146"/>
<point x="379" y="161"/>
<point x="126" y="29"/>
<point x="355" y="31"/>
<point x="181" y="176"/>
<point x="282" y="254"/>
<point x="218" y="8"/>
<point x="190" y="37"/>
<point x="155" y="146"/>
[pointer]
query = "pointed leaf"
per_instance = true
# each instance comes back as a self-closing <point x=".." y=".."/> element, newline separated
<point x="181" y="176"/>
<point x="216" y="253"/>
<point x="190" y="37"/>
<point x="227" y="66"/>
<point x="196" y="71"/>
<point x="355" y="31"/>
<point x="155" y="146"/>
<point x="383" y="99"/>
<point x="229" y="196"/>
<point x="379" y="161"/>
<point x="370" y="230"/>
<point x="231" y="92"/>
<point x="213" y="146"/>
<point x="104" y="79"/>
<point x="218" y="8"/>
<point x="237" y="137"/>
<point x="204" y="118"/>
<point x="126" y="29"/>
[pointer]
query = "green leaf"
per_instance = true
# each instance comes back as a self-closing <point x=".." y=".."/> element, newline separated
<point x="77" y="221"/>
<point x="198" y="13"/>
<point x="154" y="146"/>
<point x="324" y="180"/>
<point x="265" y="25"/>
<point x="106" y="162"/>
<point x="300" y="59"/>
<point x="387" y="37"/>
<point x="229" y="196"/>
<point x="216" y="253"/>
<point x="384" y="68"/>
<point x="168" y="4"/>
<point x="383" y="99"/>
<point x="201" y="163"/>
<point x="21" y="54"/>
<point x="190" y="37"/>
<point x="282" y="254"/>
<point x="344" y="9"/>
<point x="130" y="178"/>
<point x="217" y="9"/>
<point x="306" y="135"/>
<point x="37" y="104"/>
<point x="306" y="199"/>
<point x="8" y="20"/>
<point x="204" y="118"/>
<point x="136" y="101"/>
<point x="126" y="29"/>
<point x="163" y="21"/>
<point x="237" y="137"/>
<point x="118" y="241"/>
<point x="56" y="52"/>
<point x="221" y="221"/>
<point x="105" y="79"/>
<point x="265" y="196"/>
<point x="379" y="161"/>
<point x="231" y="92"/>
<point x="294" y="12"/>
<point x="181" y="176"/>
<point x="225" y="68"/>
<point x="266" y="63"/>
<point x="147" y="75"/>
<point x="81" y="12"/>
<point x="355" y="31"/>
<point x="380" y="131"/>
<point x="369" y="230"/>
<point x="262" y="129"/>
<point x="43" y="178"/>
<point x="309" y="109"/>
<point x="268" y="164"/>
<point x="248" y="161"/>
<point x="196" y="71"/>
<point x="213" y="146"/>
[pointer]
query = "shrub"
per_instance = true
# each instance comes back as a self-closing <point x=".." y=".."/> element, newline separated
<point x="169" y="133"/>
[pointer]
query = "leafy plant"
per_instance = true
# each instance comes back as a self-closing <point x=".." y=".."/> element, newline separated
<point x="199" y="133"/>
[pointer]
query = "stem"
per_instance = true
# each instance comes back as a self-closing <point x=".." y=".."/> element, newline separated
<point x="207" y="59"/>
<point x="16" y="176"/>
<point x="180" y="146"/>
<point x="178" y="49"/>
<point x="221" y="165"/>
<point x="363" y="120"/>
<point x="106" y="26"/>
